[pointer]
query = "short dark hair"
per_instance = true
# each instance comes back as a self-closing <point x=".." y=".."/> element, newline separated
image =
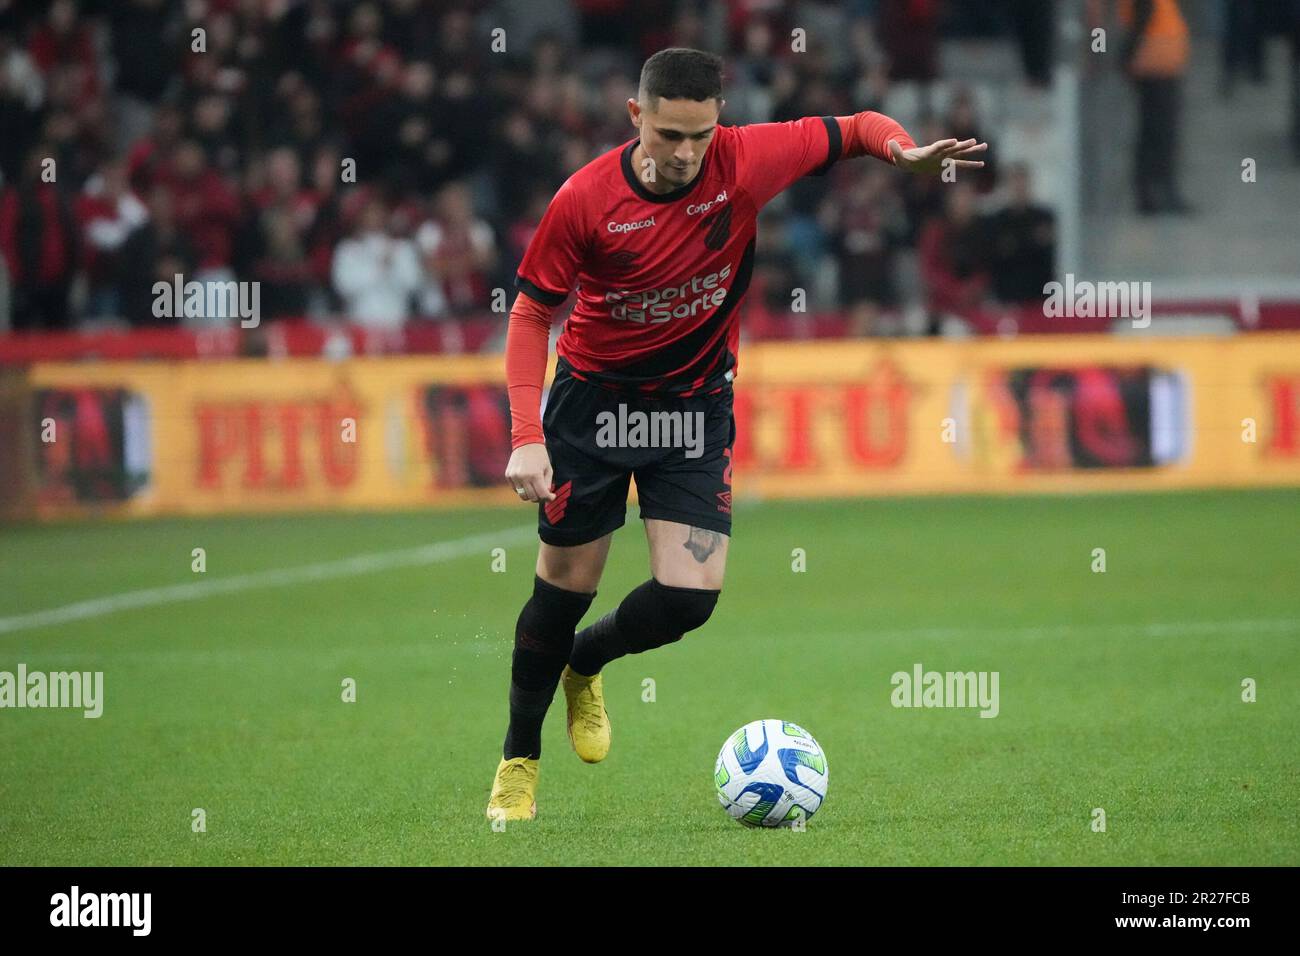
<point x="679" y="73"/>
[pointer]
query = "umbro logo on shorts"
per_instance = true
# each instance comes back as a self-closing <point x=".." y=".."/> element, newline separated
<point x="555" y="508"/>
<point x="724" y="502"/>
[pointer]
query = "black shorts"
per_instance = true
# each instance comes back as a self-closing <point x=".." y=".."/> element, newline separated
<point x="595" y="448"/>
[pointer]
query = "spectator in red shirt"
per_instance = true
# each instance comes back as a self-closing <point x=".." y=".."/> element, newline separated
<point x="459" y="248"/>
<point x="207" y="208"/>
<point x="64" y="43"/>
<point x="1021" y="243"/>
<point x="869" y="225"/>
<point x="276" y="244"/>
<point x="38" y="239"/>
<point x="328" y="227"/>
<point x="963" y="123"/>
<point x="108" y="212"/>
<point x="952" y="255"/>
<point x="157" y="251"/>
<point x="520" y="232"/>
<point x="150" y="159"/>
<point x="909" y="32"/>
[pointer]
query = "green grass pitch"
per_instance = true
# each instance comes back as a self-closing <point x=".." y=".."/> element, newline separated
<point x="1118" y="690"/>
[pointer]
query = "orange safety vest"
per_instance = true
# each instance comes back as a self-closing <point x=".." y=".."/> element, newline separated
<point x="1164" y="47"/>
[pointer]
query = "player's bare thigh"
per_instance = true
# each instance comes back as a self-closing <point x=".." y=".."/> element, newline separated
<point x="683" y="556"/>
<point x="576" y="568"/>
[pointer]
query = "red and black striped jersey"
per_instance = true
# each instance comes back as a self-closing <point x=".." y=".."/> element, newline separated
<point x="659" y="277"/>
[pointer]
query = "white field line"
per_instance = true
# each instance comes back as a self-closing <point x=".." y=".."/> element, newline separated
<point x="1067" y="631"/>
<point x="273" y="577"/>
<point x="463" y="547"/>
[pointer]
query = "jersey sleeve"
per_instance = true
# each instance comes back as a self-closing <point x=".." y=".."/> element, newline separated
<point x="549" y="269"/>
<point x="528" y="337"/>
<point x="771" y="156"/>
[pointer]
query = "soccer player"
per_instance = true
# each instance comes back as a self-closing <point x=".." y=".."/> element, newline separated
<point x="658" y="236"/>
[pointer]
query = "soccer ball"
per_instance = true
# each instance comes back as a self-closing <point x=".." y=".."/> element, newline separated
<point x="771" y="773"/>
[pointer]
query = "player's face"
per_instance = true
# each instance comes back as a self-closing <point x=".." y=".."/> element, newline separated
<point x="676" y="135"/>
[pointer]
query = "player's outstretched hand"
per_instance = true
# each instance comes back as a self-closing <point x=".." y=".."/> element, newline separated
<point x="529" y="472"/>
<point x="930" y="159"/>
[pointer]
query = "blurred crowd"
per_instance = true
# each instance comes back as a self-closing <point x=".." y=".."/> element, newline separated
<point x="387" y="161"/>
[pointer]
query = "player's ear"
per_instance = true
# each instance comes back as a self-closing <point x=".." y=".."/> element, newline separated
<point x="634" y="111"/>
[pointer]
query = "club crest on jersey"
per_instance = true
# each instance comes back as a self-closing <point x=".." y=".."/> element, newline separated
<point x="719" y="226"/>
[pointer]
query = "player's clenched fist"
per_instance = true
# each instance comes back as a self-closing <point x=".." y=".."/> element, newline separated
<point x="529" y="473"/>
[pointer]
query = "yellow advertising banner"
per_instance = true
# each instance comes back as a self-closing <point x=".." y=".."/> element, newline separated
<point x="838" y="418"/>
<point x="1027" y="415"/>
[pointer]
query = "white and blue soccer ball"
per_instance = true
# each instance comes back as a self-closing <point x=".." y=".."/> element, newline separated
<point x="771" y="773"/>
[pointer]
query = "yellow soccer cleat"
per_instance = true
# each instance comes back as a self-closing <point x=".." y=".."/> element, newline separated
<point x="588" y="720"/>
<point x="514" y="791"/>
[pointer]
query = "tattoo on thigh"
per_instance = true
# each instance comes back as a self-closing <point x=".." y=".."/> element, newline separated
<point x="701" y="543"/>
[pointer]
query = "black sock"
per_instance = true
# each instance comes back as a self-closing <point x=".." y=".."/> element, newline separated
<point x="543" y="642"/>
<point x="597" y="645"/>
<point x="651" y="616"/>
